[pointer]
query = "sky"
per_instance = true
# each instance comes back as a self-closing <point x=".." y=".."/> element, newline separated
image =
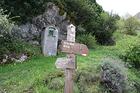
<point x="121" y="7"/>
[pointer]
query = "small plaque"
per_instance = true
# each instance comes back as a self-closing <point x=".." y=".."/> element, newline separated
<point x="74" y="48"/>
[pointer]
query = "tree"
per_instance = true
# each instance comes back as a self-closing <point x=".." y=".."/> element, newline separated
<point x="108" y="26"/>
<point x="131" y="25"/>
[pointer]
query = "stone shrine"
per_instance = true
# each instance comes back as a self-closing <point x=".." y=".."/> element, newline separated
<point x="50" y="41"/>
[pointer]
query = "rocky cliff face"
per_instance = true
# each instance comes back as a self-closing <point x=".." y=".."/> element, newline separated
<point x="31" y="32"/>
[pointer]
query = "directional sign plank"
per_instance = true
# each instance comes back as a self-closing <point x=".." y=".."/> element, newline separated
<point x="74" y="48"/>
<point x="63" y="63"/>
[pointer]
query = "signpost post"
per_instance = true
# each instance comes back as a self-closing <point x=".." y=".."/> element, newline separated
<point x="69" y="72"/>
<point x="69" y="63"/>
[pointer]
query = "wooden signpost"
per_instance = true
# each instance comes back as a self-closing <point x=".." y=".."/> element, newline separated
<point x="73" y="48"/>
<point x="69" y="63"/>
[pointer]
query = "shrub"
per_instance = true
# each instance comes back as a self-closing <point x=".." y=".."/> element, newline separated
<point x="120" y="25"/>
<point x="80" y="29"/>
<point x="10" y="46"/>
<point x="55" y="81"/>
<point x="113" y="76"/>
<point x="133" y="56"/>
<point x="131" y="25"/>
<point x="5" y="24"/>
<point x="58" y="74"/>
<point x="87" y="80"/>
<point x="87" y="39"/>
<point x="56" y="84"/>
<point x="107" y="28"/>
<point x="5" y="27"/>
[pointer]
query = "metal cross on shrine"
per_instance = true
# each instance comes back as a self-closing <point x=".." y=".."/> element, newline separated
<point x="69" y="63"/>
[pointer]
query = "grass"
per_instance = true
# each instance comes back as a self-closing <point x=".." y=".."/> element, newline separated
<point x="16" y="78"/>
<point x="28" y="77"/>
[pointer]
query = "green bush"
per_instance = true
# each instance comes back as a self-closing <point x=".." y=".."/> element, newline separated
<point x="80" y="29"/>
<point x="87" y="39"/>
<point x="113" y="76"/>
<point x="5" y="27"/>
<point x="56" y="84"/>
<point x="87" y="81"/>
<point x="11" y="46"/>
<point x="55" y="81"/>
<point x="131" y="26"/>
<point x="107" y="28"/>
<point x="133" y="56"/>
<point x="5" y="23"/>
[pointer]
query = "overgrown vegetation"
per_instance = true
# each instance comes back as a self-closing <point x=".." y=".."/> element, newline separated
<point x="87" y="8"/>
<point x="10" y="46"/>
<point x="87" y="39"/>
<point x="131" y="25"/>
<point x="114" y="76"/>
<point x="86" y="13"/>
<point x="94" y="73"/>
<point x="5" y="23"/>
<point x="132" y="56"/>
<point x="107" y="28"/>
<point x="38" y="72"/>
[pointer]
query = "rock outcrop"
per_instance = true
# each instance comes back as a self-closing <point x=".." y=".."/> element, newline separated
<point x="31" y="32"/>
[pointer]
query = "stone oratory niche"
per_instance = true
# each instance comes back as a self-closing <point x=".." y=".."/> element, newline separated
<point x="50" y="41"/>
